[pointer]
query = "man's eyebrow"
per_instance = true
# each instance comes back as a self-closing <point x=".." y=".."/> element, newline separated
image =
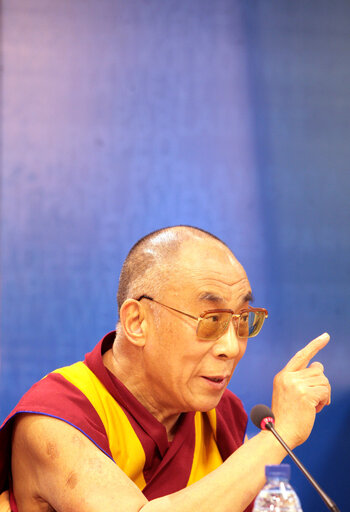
<point x="213" y="297"/>
<point x="248" y="297"/>
<point x="210" y="297"/>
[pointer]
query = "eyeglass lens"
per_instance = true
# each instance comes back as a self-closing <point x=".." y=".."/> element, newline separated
<point x="214" y="325"/>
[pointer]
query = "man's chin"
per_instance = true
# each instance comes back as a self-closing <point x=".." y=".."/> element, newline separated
<point x="207" y="404"/>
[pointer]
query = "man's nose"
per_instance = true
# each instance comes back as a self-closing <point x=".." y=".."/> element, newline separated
<point x="228" y="345"/>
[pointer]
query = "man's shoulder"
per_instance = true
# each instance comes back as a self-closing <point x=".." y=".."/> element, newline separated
<point x="71" y="393"/>
<point x="50" y="394"/>
<point x="64" y="388"/>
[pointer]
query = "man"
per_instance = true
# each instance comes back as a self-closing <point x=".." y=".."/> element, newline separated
<point x="148" y="414"/>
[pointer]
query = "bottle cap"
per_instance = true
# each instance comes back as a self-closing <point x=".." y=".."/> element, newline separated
<point x="280" y="471"/>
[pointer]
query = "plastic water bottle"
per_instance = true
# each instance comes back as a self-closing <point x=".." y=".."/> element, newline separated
<point x="277" y="495"/>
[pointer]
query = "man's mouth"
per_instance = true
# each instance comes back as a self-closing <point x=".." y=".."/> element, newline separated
<point x="215" y="379"/>
<point x="216" y="382"/>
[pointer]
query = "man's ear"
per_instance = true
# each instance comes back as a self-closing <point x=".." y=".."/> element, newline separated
<point x="132" y="318"/>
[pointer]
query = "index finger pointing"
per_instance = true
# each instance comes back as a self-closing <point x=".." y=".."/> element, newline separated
<point x="304" y="356"/>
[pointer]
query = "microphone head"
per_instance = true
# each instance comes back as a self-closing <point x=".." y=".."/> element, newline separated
<point x="262" y="416"/>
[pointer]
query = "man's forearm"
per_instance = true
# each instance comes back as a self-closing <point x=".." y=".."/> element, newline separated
<point x="232" y="486"/>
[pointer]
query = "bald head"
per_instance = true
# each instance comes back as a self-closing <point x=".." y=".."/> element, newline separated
<point x="147" y="267"/>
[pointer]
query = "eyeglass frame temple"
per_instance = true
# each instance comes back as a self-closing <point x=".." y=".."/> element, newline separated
<point x="234" y="315"/>
<point x="169" y="307"/>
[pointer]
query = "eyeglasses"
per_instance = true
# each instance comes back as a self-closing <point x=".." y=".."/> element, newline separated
<point x="213" y="324"/>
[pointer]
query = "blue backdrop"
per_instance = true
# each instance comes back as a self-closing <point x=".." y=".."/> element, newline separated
<point x="118" y="118"/>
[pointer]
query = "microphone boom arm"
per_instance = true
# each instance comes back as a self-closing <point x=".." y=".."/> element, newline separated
<point x="328" y="501"/>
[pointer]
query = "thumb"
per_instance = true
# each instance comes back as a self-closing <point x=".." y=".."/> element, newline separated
<point x="317" y="364"/>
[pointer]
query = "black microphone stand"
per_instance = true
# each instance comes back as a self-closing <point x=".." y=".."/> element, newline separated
<point x="328" y="501"/>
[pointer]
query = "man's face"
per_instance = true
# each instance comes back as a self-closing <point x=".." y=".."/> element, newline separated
<point x="184" y="373"/>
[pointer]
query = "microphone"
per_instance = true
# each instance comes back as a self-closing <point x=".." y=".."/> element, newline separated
<point x="263" y="418"/>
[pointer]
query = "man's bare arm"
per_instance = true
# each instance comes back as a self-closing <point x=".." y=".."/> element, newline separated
<point x="54" y="463"/>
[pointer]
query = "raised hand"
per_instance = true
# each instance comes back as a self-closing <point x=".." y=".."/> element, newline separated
<point x="300" y="391"/>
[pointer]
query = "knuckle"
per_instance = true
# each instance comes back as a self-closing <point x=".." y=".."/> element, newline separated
<point x="300" y="355"/>
<point x="300" y="390"/>
<point x="280" y="379"/>
<point x="286" y="381"/>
